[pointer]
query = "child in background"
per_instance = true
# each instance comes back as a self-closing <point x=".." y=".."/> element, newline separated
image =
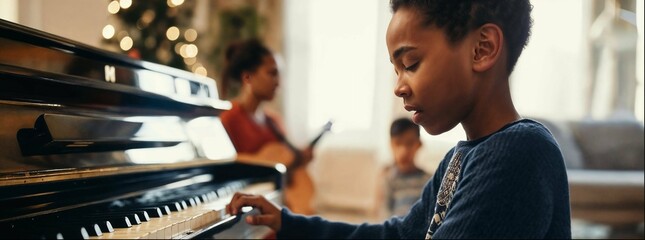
<point x="404" y="180"/>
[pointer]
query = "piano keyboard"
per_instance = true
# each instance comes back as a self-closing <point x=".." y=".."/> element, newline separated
<point x="187" y="219"/>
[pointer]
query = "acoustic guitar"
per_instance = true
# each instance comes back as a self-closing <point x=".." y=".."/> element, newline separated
<point x="299" y="191"/>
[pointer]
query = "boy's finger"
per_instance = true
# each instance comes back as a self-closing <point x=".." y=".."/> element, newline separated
<point x="243" y="200"/>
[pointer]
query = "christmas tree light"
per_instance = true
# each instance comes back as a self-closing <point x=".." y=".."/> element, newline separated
<point x="158" y="31"/>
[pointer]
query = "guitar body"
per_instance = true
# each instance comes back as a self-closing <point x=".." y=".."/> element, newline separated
<point x="299" y="191"/>
<point x="273" y="152"/>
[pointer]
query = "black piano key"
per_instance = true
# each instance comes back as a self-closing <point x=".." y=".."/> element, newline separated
<point x="133" y="217"/>
<point x="204" y="198"/>
<point x="108" y="222"/>
<point x="33" y="227"/>
<point x="120" y="222"/>
<point x="105" y="226"/>
<point x="31" y="233"/>
<point x="93" y="229"/>
<point x="75" y="233"/>
<point x="67" y="232"/>
<point x="39" y="235"/>
<point x="191" y="202"/>
<point x="141" y="214"/>
<point x="54" y="235"/>
<point x="174" y="206"/>
<point x="153" y="212"/>
<point x="184" y="205"/>
<point x="222" y="192"/>
<point x="212" y="196"/>
<point x="165" y="209"/>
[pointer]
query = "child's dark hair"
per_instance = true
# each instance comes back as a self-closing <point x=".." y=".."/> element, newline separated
<point x="458" y="17"/>
<point x="402" y="125"/>
<point x="241" y="56"/>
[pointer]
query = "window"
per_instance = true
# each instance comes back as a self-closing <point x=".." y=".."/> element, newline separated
<point x="342" y="51"/>
<point x="330" y="52"/>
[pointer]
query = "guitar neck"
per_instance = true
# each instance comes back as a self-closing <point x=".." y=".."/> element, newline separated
<point x="315" y="140"/>
<point x="326" y="128"/>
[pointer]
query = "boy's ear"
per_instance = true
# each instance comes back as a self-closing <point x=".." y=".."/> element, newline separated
<point x="487" y="50"/>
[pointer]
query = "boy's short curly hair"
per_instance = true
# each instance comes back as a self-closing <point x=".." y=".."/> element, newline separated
<point x="458" y="17"/>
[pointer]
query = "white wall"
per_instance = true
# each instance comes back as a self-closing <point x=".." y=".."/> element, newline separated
<point x="639" y="62"/>
<point x="330" y="71"/>
<point x="336" y="66"/>
<point x="79" y="20"/>
<point x="9" y="10"/>
<point x="296" y="72"/>
<point x="550" y="78"/>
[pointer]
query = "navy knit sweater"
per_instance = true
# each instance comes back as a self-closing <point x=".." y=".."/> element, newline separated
<point x="512" y="184"/>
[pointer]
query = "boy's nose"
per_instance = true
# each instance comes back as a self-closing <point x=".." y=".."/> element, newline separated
<point x="401" y="90"/>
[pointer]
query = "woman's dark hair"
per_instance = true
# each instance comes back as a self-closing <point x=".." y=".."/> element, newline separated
<point x="458" y="17"/>
<point x="401" y="125"/>
<point x="241" y="56"/>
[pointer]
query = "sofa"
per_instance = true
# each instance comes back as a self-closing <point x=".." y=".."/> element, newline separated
<point x="605" y="162"/>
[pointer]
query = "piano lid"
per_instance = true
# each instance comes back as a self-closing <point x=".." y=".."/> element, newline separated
<point x="73" y="111"/>
<point x="29" y="51"/>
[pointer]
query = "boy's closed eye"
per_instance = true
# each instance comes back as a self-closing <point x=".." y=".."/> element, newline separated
<point x="411" y="67"/>
<point x="410" y="61"/>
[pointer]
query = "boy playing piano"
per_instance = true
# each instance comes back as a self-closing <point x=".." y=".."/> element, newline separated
<point x="507" y="180"/>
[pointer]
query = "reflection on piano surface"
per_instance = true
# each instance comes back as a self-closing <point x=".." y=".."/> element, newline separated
<point x="96" y="145"/>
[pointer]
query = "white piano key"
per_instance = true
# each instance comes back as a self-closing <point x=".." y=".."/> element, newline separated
<point x="192" y="219"/>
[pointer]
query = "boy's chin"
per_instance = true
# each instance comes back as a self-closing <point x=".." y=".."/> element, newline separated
<point x="432" y="131"/>
<point x="435" y="130"/>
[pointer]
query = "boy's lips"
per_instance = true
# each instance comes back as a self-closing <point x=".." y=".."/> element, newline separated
<point x="411" y="108"/>
<point x="416" y="117"/>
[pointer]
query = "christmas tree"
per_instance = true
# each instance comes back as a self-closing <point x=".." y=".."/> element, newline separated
<point x="155" y="30"/>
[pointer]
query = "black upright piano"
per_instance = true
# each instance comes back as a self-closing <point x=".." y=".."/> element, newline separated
<point x="94" y="144"/>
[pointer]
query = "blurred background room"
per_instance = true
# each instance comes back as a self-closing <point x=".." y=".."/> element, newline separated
<point x="581" y="75"/>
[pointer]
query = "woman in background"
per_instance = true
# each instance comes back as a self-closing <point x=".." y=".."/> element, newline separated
<point x="256" y="132"/>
